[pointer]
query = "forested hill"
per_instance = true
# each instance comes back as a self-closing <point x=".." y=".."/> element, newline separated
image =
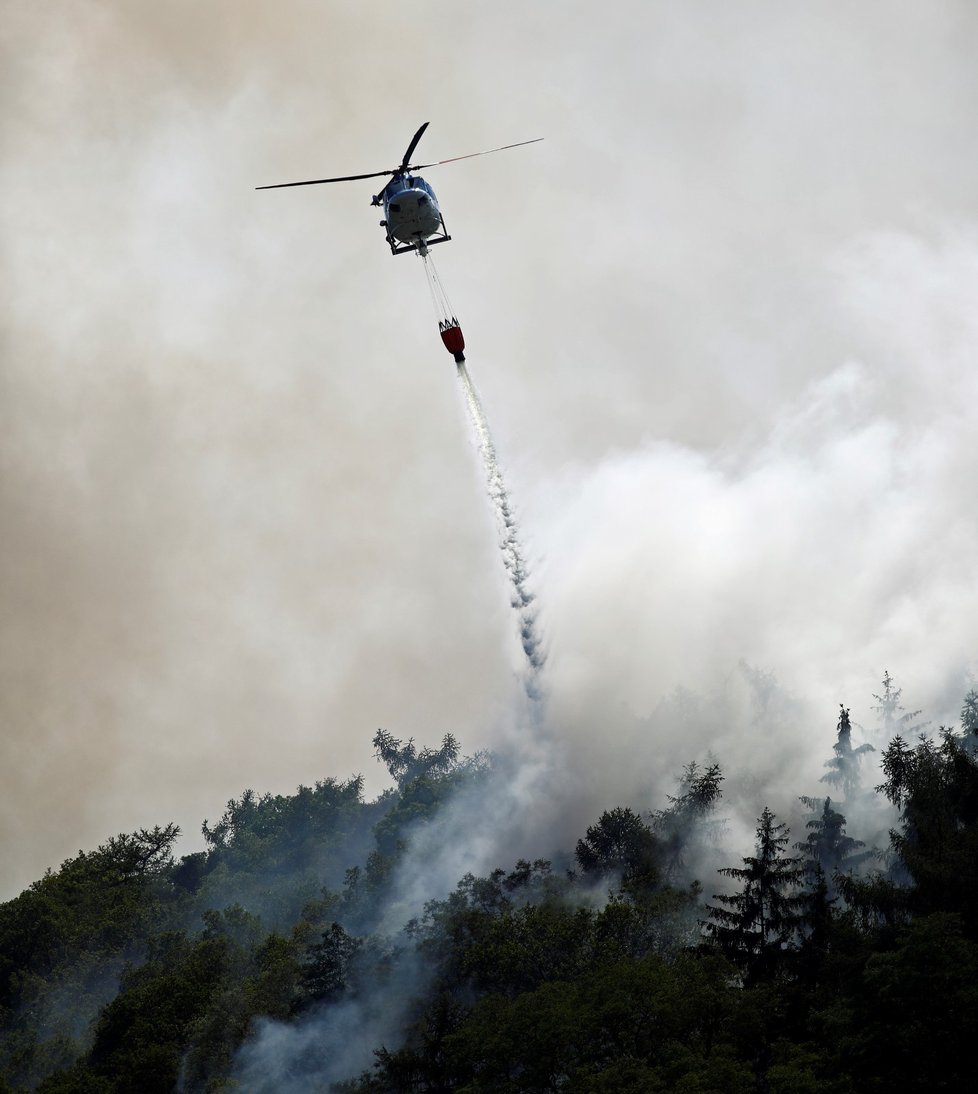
<point x="299" y="952"/>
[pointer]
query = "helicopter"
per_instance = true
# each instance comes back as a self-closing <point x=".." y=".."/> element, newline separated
<point x="413" y="221"/>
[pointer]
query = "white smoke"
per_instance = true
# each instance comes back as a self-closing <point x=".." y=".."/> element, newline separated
<point x="327" y="1046"/>
<point x="826" y="548"/>
<point x="191" y="373"/>
<point x="513" y="813"/>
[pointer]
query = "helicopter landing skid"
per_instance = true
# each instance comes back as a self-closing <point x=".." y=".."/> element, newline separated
<point x="421" y="247"/>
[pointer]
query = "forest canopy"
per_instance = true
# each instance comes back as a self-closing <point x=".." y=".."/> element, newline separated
<point x="294" y="953"/>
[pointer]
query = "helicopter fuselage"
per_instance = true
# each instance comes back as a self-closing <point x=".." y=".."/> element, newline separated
<point x="412" y="220"/>
<point x="412" y="217"/>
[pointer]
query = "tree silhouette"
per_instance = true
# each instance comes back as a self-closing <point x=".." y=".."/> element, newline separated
<point x="844" y="765"/>
<point x="327" y="967"/>
<point x="405" y="762"/>
<point x="755" y="926"/>
<point x="827" y="848"/>
<point x="893" y="718"/>
<point x="620" y="842"/>
<point x="935" y="786"/>
<point x="687" y="818"/>
<point x="969" y="720"/>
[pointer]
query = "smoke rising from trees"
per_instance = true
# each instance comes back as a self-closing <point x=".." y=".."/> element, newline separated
<point x="127" y="968"/>
<point x="239" y="530"/>
<point x="755" y="356"/>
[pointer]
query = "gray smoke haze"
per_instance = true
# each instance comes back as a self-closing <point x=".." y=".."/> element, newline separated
<point x="513" y="812"/>
<point x="722" y="319"/>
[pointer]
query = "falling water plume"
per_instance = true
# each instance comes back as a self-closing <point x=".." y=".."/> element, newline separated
<point x="522" y="598"/>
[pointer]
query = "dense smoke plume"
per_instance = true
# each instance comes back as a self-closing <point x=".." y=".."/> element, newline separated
<point x="738" y="276"/>
<point x="509" y="815"/>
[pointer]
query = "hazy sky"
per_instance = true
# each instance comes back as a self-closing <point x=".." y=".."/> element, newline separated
<point x="723" y="321"/>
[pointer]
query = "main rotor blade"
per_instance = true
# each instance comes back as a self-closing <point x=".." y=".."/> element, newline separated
<point x="472" y="155"/>
<point x="411" y="147"/>
<point x="315" y="182"/>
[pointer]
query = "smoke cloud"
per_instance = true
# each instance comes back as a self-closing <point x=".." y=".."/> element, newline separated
<point x="239" y="524"/>
<point x="831" y="547"/>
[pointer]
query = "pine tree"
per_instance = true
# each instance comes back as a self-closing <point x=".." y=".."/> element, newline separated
<point x="969" y="721"/>
<point x="893" y="718"/>
<point x="844" y="765"/>
<point x="405" y="762"/>
<point x="688" y="819"/>
<point x="755" y="926"/>
<point x="827" y="849"/>
<point x="819" y="919"/>
<point x="935" y="787"/>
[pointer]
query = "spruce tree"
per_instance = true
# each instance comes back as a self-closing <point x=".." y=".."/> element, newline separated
<point x="935" y="787"/>
<point x="755" y="926"/>
<point x="844" y="765"/>
<point x="688" y="819"/>
<point x="893" y="718"/>
<point x="969" y="721"/>
<point x="827" y="849"/>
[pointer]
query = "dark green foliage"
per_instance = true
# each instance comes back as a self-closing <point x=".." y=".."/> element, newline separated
<point x="98" y="901"/>
<point x="928" y="987"/>
<point x="621" y="844"/>
<point x="503" y="932"/>
<point x="190" y="871"/>
<point x="969" y="717"/>
<point x="641" y="1025"/>
<point x="78" y="1079"/>
<point x="524" y="944"/>
<point x="906" y="1020"/>
<point x="419" y="800"/>
<point x="827" y="849"/>
<point x="142" y="1034"/>
<point x="272" y="854"/>
<point x="65" y="940"/>
<point x="405" y="763"/>
<point x="756" y="926"/>
<point x="281" y="828"/>
<point x="879" y="904"/>
<point x="687" y="819"/>
<point x="327" y="965"/>
<point x="264" y="979"/>
<point x="127" y="929"/>
<point x="426" y="780"/>
<point x="935" y="785"/>
<point x="127" y="971"/>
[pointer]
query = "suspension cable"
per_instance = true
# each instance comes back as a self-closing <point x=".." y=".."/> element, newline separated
<point x="439" y="298"/>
